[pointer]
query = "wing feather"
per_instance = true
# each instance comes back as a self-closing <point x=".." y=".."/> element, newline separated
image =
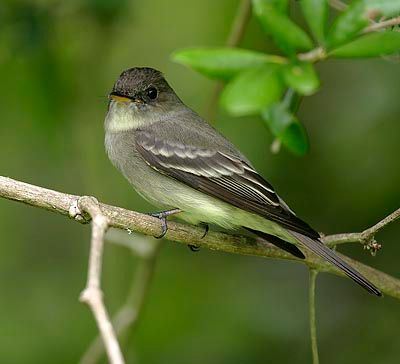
<point x="220" y="175"/>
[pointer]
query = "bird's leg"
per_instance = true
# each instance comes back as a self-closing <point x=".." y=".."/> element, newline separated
<point x="195" y="248"/>
<point x="162" y="215"/>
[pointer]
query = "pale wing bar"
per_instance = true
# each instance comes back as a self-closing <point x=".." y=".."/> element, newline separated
<point x="220" y="175"/>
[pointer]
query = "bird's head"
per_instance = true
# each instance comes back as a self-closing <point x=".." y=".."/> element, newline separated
<point x="141" y="95"/>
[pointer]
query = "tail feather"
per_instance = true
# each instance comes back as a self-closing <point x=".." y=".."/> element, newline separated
<point x="319" y="248"/>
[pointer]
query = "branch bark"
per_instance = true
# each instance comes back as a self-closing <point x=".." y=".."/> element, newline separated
<point x="383" y="24"/>
<point x="92" y="295"/>
<point x="366" y="237"/>
<point x="188" y="234"/>
<point x="146" y="249"/>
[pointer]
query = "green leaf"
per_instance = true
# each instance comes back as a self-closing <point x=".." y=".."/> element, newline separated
<point x="383" y="7"/>
<point x="286" y="128"/>
<point x="281" y="5"/>
<point x="223" y="63"/>
<point x="316" y="14"/>
<point x="252" y="90"/>
<point x="301" y="77"/>
<point x="348" y="24"/>
<point x="370" y="45"/>
<point x="287" y="35"/>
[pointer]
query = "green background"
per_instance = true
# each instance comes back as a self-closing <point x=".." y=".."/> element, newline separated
<point x="58" y="61"/>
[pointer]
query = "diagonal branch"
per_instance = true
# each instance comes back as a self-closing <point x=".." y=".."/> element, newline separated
<point x="382" y="24"/>
<point x="338" y="5"/>
<point x="126" y="318"/>
<point x="186" y="234"/>
<point x="92" y="294"/>
<point x="366" y="237"/>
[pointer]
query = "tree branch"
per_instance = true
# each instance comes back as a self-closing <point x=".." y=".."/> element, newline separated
<point x="239" y="23"/>
<point x="186" y="234"/>
<point x="338" y="5"/>
<point x="146" y="248"/>
<point x="382" y="24"/>
<point x="366" y="237"/>
<point x="92" y="294"/>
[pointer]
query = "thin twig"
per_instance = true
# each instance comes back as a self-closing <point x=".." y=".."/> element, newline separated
<point x="313" y="324"/>
<point x="236" y="33"/>
<point x="370" y="232"/>
<point x="92" y="294"/>
<point x="382" y="24"/>
<point x="188" y="234"/>
<point x="239" y="24"/>
<point x="319" y="53"/>
<point x="338" y="5"/>
<point x="366" y="237"/>
<point x="128" y="314"/>
<point x="341" y="6"/>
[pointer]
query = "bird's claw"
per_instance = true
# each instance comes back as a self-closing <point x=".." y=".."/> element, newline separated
<point x="194" y="248"/>
<point x="164" y="227"/>
<point x="207" y="227"/>
<point x="162" y="216"/>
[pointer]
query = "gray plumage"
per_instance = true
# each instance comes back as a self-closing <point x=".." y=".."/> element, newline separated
<point x="174" y="159"/>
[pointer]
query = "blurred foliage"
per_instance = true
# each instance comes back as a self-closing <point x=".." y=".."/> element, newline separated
<point x="58" y="61"/>
<point x="256" y="89"/>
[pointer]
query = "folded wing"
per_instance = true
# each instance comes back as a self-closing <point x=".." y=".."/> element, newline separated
<point x="220" y="175"/>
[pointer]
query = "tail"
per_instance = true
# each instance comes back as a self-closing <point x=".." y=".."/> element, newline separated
<point x="319" y="248"/>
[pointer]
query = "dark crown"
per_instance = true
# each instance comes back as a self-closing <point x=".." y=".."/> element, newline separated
<point x="137" y="79"/>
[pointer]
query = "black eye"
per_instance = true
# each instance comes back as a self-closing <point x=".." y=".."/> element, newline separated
<point x="152" y="93"/>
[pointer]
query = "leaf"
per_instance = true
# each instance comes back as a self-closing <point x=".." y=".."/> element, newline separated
<point x="280" y="5"/>
<point x="286" y="128"/>
<point x="252" y="90"/>
<point x="222" y="63"/>
<point x="301" y="77"/>
<point x="348" y="24"/>
<point x="370" y="45"/>
<point x="383" y="7"/>
<point x="316" y="14"/>
<point x="287" y="35"/>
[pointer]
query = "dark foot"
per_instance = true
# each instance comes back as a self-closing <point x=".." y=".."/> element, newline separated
<point x="194" y="248"/>
<point x="163" y="217"/>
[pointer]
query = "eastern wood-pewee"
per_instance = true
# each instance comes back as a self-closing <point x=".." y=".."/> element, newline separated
<point x="178" y="162"/>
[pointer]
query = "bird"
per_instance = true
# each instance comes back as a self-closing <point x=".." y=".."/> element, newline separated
<point x="179" y="163"/>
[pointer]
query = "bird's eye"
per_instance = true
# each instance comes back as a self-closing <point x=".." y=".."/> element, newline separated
<point x="152" y="93"/>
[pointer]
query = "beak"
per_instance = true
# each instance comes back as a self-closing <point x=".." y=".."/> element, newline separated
<point x="119" y="98"/>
